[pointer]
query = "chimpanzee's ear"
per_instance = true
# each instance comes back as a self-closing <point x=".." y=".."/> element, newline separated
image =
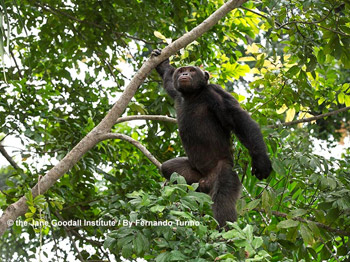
<point x="206" y="75"/>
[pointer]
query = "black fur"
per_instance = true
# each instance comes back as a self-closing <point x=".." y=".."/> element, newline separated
<point x="206" y="115"/>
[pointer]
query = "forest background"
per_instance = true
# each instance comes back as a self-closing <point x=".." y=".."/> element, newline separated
<point x="66" y="63"/>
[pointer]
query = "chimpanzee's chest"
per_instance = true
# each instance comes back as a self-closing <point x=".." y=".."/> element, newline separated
<point x="189" y="116"/>
<point x="197" y="123"/>
<point x="203" y="136"/>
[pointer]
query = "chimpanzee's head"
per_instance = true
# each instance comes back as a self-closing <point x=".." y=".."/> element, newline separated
<point x="190" y="79"/>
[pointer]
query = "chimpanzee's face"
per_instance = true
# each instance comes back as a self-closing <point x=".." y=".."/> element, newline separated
<point x="189" y="79"/>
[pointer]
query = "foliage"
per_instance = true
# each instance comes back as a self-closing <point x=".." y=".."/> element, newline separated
<point x="65" y="63"/>
<point x="170" y="209"/>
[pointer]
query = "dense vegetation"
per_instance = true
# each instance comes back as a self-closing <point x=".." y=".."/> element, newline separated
<point x="65" y="63"/>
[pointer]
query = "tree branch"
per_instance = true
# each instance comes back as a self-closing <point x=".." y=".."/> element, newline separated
<point x="260" y="14"/>
<point x="56" y="12"/>
<point x="133" y="142"/>
<point x="173" y="120"/>
<point x="309" y="23"/>
<point x="60" y="13"/>
<point x="91" y="139"/>
<point x="311" y="118"/>
<point x="14" y="59"/>
<point x="8" y="158"/>
<point x="320" y="225"/>
<point x="315" y="23"/>
<point x="147" y="117"/>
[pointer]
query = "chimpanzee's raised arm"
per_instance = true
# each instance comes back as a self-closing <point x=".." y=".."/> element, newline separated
<point x="233" y="117"/>
<point x="166" y="71"/>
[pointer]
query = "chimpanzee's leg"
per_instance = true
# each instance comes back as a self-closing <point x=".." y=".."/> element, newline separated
<point x="224" y="188"/>
<point x="181" y="166"/>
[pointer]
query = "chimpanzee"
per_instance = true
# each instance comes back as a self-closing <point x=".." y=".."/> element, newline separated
<point x="206" y="115"/>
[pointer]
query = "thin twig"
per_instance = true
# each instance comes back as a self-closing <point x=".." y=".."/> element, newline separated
<point x="260" y="14"/>
<point x="330" y="251"/>
<point x="301" y="22"/>
<point x="272" y="98"/>
<point x="56" y="11"/>
<point x="66" y="229"/>
<point x="251" y="198"/>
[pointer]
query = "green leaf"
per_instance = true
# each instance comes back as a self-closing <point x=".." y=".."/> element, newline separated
<point x="163" y="257"/>
<point x="341" y="98"/>
<point x="202" y="230"/>
<point x="177" y="178"/>
<point x="140" y="243"/>
<point x="287" y="224"/>
<point x="287" y="244"/>
<point x="266" y="202"/>
<point x="109" y="241"/>
<point x="278" y="166"/>
<point x="159" y="35"/>
<point x="312" y="252"/>
<point x="347" y="100"/>
<point x="181" y="214"/>
<point x="127" y="240"/>
<point x="39" y="200"/>
<point x="157" y="209"/>
<point x="321" y="57"/>
<point x="227" y="257"/>
<point x="312" y="64"/>
<point x="29" y="198"/>
<point x="306" y="234"/>
<point x="257" y="242"/>
<point x="297" y="213"/>
<point x="127" y="250"/>
<point x="293" y="71"/>
<point x="320" y="217"/>
<point x="314" y="228"/>
<point x="253" y="204"/>
<point x="178" y="256"/>
<point x="32" y="209"/>
<point x="332" y="215"/>
<point x="29" y="215"/>
<point x="168" y="191"/>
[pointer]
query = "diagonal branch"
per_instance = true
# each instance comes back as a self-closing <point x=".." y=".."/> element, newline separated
<point x="91" y="139"/>
<point x="8" y="157"/>
<point x="305" y="120"/>
<point x="133" y="142"/>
